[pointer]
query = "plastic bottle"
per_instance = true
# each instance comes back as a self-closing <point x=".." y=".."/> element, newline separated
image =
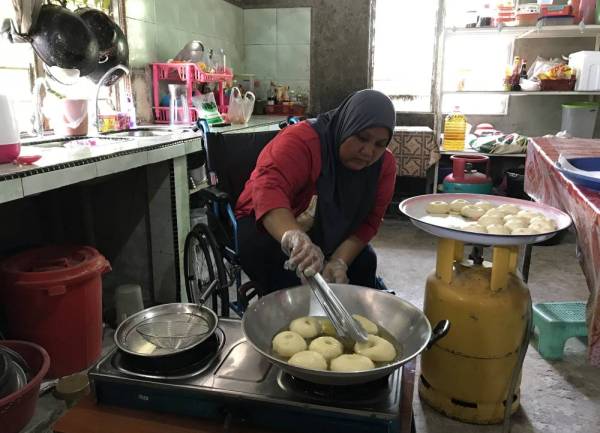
<point x="455" y="128"/>
<point x="131" y="112"/>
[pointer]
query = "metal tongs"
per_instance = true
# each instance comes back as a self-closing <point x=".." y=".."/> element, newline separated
<point x="345" y="325"/>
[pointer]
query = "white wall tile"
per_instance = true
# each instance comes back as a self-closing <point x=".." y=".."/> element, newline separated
<point x="293" y="26"/>
<point x="121" y="163"/>
<point x="140" y="10"/>
<point x="293" y="62"/>
<point x="261" y="60"/>
<point x="260" y="26"/>
<point x="10" y="190"/>
<point x="142" y="42"/>
<point x="56" y="179"/>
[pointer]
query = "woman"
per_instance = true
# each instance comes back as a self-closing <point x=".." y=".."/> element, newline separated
<point x="342" y="158"/>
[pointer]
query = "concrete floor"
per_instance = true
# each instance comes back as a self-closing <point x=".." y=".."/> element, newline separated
<point x="557" y="396"/>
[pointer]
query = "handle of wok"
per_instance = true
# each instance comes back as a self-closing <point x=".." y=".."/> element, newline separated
<point x="208" y="292"/>
<point x="440" y="331"/>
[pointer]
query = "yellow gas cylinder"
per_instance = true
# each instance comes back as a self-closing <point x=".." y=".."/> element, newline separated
<point x="466" y="375"/>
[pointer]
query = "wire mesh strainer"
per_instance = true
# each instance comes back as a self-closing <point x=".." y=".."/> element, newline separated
<point x="174" y="334"/>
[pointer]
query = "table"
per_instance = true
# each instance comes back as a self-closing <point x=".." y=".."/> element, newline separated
<point x="545" y="184"/>
<point x="495" y="160"/>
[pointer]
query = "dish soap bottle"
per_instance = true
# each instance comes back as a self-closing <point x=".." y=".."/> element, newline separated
<point x="455" y="128"/>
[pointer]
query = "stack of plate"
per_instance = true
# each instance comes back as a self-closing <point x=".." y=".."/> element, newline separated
<point x="584" y="171"/>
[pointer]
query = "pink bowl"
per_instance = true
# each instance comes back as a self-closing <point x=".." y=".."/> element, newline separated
<point x="9" y="152"/>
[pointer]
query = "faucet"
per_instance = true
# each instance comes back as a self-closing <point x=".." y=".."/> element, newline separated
<point x="99" y="86"/>
<point x="38" y="120"/>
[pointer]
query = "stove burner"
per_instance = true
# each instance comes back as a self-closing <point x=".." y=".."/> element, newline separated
<point x="196" y="361"/>
<point x="362" y="395"/>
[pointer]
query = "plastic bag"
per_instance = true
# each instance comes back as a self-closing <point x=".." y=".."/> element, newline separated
<point x="541" y="66"/>
<point x="240" y="107"/>
<point x="207" y="108"/>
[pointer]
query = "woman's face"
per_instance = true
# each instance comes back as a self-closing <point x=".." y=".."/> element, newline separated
<point x="364" y="148"/>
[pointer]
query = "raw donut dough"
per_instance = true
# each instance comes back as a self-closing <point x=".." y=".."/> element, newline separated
<point x="495" y="213"/>
<point x="438" y="207"/>
<point x="376" y="349"/>
<point x="457" y="205"/>
<point x="287" y="343"/>
<point x="529" y="214"/>
<point x="354" y="362"/>
<point x="516" y="223"/>
<point x="510" y="217"/>
<point x="307" y="327"/>
<point x="487" y="221"/>
<point x="524" y="231"/>
<point x="327" y="327"/>
<point x="509" y="208"/>
<point x="308" y="359"/>
<point x="485" y="205"/>
<point x="544" y="220"/>
<point x="474" y="228"/>
<point x="329" y="347"/>
<point x="541" y="227"/>
<point x="472" y="211"/>
<point x="497" y="229"/>
<point x="369" y="326"/>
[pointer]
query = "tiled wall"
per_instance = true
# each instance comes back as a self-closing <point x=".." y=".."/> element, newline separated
<point x="277" y="47"/>
<point x="158" y="29"/>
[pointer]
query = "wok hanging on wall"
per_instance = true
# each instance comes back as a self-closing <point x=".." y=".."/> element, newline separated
<point x="113" y="49"/>
<point x="62" y="39"/>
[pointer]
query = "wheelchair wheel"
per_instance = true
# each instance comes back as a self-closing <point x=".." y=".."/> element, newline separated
<point x="203" y="264"/>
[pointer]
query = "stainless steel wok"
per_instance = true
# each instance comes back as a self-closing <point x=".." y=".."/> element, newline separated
<point x="405" y="322"/>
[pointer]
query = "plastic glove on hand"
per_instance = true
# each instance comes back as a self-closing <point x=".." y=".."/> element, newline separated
<point x="305" y="257"/>
<point x="336" y="271"/>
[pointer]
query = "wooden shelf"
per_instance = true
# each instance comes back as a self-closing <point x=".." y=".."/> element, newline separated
<point x="567" y="31"/>
<point x="521" y="93"/>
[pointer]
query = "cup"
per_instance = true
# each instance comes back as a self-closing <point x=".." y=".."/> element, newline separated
<point x="128" y="300"/>
<point x="179" y="111"/>
<point x="10" y="143"/>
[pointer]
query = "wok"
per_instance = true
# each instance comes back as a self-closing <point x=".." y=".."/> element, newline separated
<point x="405" y="322"/>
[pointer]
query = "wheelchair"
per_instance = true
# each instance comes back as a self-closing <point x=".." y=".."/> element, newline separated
<point x="211" y="248"/>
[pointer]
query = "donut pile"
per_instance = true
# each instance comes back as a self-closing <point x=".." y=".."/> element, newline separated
<point x="484" y="217"/>
<point x="311" y="343"/>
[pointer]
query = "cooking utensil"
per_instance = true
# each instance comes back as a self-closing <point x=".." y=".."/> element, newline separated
<point x="448" y="226"/>
<point x="174" y="335"/>
<point x="346" y="327"/>
<point x="403" y="321"/>
<point x="146" y="343"/>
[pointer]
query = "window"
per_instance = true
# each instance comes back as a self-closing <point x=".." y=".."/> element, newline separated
<point x="16" y="73"/>
<point x="475" y="62"/>
<point x="404" y="52"/>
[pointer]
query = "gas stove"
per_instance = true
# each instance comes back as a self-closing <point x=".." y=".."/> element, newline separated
<point x="236" y="384"/>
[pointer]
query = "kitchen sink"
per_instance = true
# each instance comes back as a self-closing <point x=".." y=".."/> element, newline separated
<point x="83" y="140"/>
<point x="148" y="132"/>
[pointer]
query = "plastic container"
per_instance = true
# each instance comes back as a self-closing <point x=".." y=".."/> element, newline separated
<point x="53" y="297"/>
<point x="587" y="69"/>
<point x="17" y="409"/>
<point x="579" y="119"/>
<point x="455" y="129"/>
<point x="587" y="11"/>
<point x="563" y="20"/>
<point x="556" y="10"/>
<point x="527" y="19"/>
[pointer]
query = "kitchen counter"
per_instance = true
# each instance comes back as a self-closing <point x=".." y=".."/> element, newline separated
<point x="256" y="124"/>
<point x="83" y="160"/>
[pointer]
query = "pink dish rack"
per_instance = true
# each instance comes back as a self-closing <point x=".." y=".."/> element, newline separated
<point x="188" y="73"/>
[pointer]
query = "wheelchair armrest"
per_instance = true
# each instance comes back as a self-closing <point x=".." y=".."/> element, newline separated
<point x="213" y="194"/>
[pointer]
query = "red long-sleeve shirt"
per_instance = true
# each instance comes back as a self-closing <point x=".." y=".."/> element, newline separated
<point x="286" y="176"/>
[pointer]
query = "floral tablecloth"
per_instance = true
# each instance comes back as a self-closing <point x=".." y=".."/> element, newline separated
<point x="545" y="184"/>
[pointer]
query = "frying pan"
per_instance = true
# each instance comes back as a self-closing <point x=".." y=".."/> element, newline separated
<point x="405" y="322"/>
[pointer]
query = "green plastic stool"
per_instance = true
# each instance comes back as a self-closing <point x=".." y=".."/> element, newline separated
<point x="556" y="322"/>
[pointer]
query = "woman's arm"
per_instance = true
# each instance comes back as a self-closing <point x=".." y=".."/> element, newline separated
<point x="278" y="221"/>
<point x="348" y="250"/>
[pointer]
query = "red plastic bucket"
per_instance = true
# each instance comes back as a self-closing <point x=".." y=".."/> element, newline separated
<point x="52" y="296"/>
<point x="16" y="409"/>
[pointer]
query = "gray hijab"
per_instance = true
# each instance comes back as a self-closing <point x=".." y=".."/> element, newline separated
<point x="347" y="196"/>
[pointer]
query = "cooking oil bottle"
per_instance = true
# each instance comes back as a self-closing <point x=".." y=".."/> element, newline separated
<point x="454" y="130"/>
